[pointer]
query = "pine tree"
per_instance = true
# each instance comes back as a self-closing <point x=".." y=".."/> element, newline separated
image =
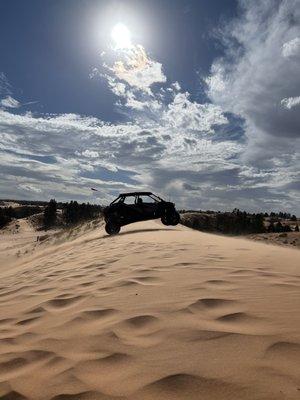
<point x="271" y="227"/>
<point x="50" y="214"/>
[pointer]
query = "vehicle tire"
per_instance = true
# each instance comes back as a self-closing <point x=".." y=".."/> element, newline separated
<point x="164" y="220"/>
<point x="112" y="228"/>
<point x="174" y="218"/>
<point x="171" y="219"/>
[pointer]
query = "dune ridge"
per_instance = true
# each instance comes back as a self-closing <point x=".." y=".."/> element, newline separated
<point x="152" y="313"/>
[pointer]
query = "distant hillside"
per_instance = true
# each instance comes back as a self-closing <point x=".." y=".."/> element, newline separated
<point x="239" y="222"/>
<point x="279" y="229"/>
<point x="45" y="215"/>
<point x="236" y="222"/>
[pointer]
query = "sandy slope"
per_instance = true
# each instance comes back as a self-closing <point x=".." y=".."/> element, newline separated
<point x="16" y="238"/>
<point x="154" y="313"/>
<point x="281" y="239"/>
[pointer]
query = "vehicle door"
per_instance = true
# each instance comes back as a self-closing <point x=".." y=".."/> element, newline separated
<point x="147" y="206"/>
<point x="131" y="210"/>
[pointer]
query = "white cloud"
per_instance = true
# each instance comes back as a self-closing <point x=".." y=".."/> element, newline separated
<point x="30" y="188"/>
<point x="252" y="77"/>
<point x="290" y="102"/>
<point x="118" y="88"/>
<point x="9" y="102"/>
<point x="139" y="146"/>
<point x="216" y="82"/>
<point x="159" y="157"/>
<point x="176" y="86"/>
<point x="133" y="103"/>
<point x="137" y="69"/>
<point x="90" y="154"/>
<point x="145" y="103"/>
<point x="256" y="79"/>
<point x="182" y="113"/>
<point x="291" y="48"/>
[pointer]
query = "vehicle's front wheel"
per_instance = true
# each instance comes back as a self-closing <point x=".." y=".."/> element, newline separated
<point x="171" y="219"/>
<point x="112" y="228"/>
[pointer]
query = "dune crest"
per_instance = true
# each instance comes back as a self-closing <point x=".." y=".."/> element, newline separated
<point x="153" y="313"/>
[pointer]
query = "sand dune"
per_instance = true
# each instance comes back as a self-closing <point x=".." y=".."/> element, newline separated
<point x="153" y="313"/>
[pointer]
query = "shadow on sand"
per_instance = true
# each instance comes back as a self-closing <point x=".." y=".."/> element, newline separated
<point x="139" y="231"/>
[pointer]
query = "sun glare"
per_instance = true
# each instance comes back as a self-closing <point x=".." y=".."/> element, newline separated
<point x="121" y="36"/>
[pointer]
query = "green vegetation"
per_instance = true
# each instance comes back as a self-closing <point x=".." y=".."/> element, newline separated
<point x="239" y="222"/>
<point x="54" y="213"/>
<point x="74" y="212"/>
<point x="50" y="214"/>
<point x="236" y="223"/>
<point x="5" y="217"/>
<point x="8" y="213"/>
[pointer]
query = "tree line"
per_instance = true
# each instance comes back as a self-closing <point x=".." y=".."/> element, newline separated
<point x="8" y="213"/>
<point x="236" y="222"/>
<point x="272" y="215"/>
<point x="282" y="215"/>
<point x="72" y="212"/>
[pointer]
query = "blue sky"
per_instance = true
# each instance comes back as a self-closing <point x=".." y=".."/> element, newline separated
<point x="201" y="104"/>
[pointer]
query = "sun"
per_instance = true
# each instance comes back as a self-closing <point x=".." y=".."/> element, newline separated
<point x="121" y="36"/>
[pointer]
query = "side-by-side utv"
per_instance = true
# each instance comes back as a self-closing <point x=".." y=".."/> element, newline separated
<point x="138" y="206"/>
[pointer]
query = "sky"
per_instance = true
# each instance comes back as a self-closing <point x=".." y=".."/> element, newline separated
<point x="197" y="101"/>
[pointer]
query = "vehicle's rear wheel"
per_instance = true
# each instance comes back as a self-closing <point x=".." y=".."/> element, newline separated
<point x="164" y="220"/>
<point x="112" y="228"/>
<point x="171" y="219"/>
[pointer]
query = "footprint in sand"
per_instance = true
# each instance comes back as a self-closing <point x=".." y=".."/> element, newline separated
<point x="88" y="395"/>
<point x="13" y="395"/>
<point x="45" y="290"/>
<point x="285" y="285"/>
<point x="62" y="303"/>
<point x="141" y="321"/>
<point x="220" y="284"/>
<point x="36" y="310"/>
<point x="144" y="280"/>
<point x="12" y="365"/>
<point x="211" y="303"/>
<point x="28" y="321"/>
<point x="244" y="271"/>
<point x="125" y="283"/>
<point x="114" y="358"/>
<point x="290" y="351"/>
<point x="17" y="361"/>
<point x="87" y="284"/>
<point x="195" y="335"/>
<point x="236" y="317"/>
<point x="99" y="313"/>
<point x="185" y="264"/>
<point x="6" y="321"/>
<point x="26" y="337"/>
<point x="191" y="387"/>
<point x="112" y="364"/>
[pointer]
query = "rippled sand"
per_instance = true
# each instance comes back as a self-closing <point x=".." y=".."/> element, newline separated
<point x="153" y="313"/>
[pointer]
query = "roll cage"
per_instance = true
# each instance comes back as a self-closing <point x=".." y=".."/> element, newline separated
<point x="121" y="198"/>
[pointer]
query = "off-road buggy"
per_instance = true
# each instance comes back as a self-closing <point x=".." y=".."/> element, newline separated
<point x="138" y="206"/>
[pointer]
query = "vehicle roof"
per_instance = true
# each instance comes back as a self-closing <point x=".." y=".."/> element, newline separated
<point x="136" y="194"/>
